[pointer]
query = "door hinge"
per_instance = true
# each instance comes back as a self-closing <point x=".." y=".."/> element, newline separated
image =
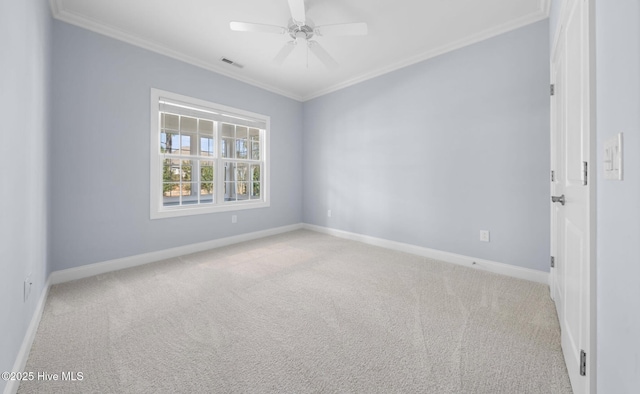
<point x="585" y="173"/>
<point x="553" y="176"/>
<point x="583" y="363"/>
<point x="553" y="262"/>
<point x="552" y="89"/>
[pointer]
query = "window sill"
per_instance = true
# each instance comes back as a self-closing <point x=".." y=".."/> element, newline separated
<point x="203" y="210"/>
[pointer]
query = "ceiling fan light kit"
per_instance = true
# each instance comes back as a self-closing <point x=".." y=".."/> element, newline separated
<point x="302" y="28"/>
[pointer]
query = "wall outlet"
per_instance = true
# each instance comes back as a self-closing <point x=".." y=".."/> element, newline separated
<point x="484" y="235"/>
<point x="234" y="218"/>
<point x="27" y="287"/>
<point x="329" y="213"/>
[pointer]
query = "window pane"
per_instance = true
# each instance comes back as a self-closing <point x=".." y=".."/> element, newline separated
<point x="229" y="171"/>
<point x="206" y="146"/>
<point x="206" y="182"/>
<point x="229" y="184"/>
<point x="228" y="130"/>
<point x="241" y="132"/>
<point x="206" y="171"/>
<point x="169" y="142"/>
<point x="171" y="170"/>
<point x="255" y="172"/>
<point x="187" y="168"/>
<point x="228" y="148"/>
<point x="255" y="191"/>
<point x="242" y="172"/>
<point x="241" y="149"/>
<point x="170" y="122"/>
<point x="242" y="186"/>
<point x="255" y="151"/>
<point x="205" y="127"/>
<point x="189" y="193"/>
<point x="255" y="178"/>
<point x="241" y="142"/>
<point x="206" y="192"/>
<point x="188" y="125"/>
<point x="229" y="191"/>
<point x="175" y="143"/>
<point x="170" y="194"/>
<point x="254" y="135"/>
<point x="242" y="190"/>
<point x="187" y="142"/>
<point x="163" y="142"/>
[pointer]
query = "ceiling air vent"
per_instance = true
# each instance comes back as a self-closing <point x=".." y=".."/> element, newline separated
<point x="229" y="61"/>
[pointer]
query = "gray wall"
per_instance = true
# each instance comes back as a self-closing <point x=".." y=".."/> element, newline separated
<point x="618" y="100"/>
<point x="433" y="153"/>
<point x="100" y="150"/>
<point x="24" y="109"/>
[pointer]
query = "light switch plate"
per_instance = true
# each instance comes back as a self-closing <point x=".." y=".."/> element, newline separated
<point x="27" y="287"/>
<point x="613" y="158"/>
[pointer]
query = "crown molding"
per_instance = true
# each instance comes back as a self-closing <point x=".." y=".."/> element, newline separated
<point x="72" y="18"/>
<point x="484" y="35"/>
<point x="58" y="12"/>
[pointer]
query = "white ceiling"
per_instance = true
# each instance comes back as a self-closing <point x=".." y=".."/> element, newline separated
<point x="401" y="32"/>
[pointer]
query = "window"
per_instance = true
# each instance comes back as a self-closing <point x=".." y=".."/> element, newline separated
<point x="206" y="157"/>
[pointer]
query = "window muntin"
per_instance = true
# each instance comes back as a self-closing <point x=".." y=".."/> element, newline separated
<point x="206" y="157"/>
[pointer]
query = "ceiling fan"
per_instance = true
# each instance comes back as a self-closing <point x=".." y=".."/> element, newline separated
<point x="300" y="28"/>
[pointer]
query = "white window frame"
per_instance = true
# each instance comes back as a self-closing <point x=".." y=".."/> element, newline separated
<point x="158" y="210"/>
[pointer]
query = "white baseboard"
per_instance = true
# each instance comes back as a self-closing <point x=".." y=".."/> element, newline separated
<point x="29" y="336"/>
<point x="485" y="265"/>
<point x="86" y="271"/>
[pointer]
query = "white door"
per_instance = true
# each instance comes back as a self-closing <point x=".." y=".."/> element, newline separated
<point x="571" y="213"/>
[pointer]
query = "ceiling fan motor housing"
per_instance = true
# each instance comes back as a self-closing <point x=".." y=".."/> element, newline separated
<point x="305" y="31"/>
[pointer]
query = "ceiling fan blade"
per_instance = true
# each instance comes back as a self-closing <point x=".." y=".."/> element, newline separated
<point x="343" y="29"/>
<point x="256" y="27"/>
<point x="321" y="54"/>
<point x="298" y="11"/>
<point x="284" y="52"/>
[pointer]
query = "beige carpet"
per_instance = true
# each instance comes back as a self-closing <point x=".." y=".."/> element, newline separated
<point x="299" y="313"/>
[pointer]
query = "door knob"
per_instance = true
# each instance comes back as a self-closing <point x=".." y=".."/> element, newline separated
<point x="558" y="199"/>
